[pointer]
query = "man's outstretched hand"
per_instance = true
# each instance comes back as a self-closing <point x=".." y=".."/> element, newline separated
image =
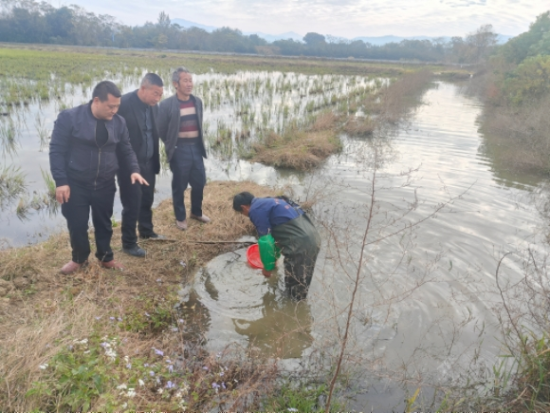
<point x="135" y="177"/>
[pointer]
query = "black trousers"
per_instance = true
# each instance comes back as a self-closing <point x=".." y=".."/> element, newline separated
<point x="187" y="168"/>
<point x="77" y="213"/>
<point x="137" y="201"/>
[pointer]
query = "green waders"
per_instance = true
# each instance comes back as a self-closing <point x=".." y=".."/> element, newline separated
<point x="300" y="244"/>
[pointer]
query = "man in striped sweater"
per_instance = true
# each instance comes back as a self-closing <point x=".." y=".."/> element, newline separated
<point x="180" y="128"/>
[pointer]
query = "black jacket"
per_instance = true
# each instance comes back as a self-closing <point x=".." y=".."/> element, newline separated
<point x="169" y="123"/>
<point x="75" y="155"/>
<point x="129" y="105"/>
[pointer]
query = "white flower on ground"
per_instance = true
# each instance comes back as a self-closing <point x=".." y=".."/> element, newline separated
<point x="292" y="409"/>
<point x="141" y="382"/>
<point x="43" y="366"/>
<point x="121" y="386"/>
<point x="111" y="354"/>
<point x="159" y="391"/>
<point x="131" y="392"/>
<point x="81" y="342"/>
<point x="184" y="388"/>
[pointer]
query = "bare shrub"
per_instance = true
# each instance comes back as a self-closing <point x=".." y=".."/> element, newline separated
<point x="517" y="137"/>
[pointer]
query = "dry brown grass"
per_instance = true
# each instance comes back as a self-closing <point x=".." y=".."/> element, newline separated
<point x="50" y="310"/>
<point x="359" y="126"/>
<point x="301" y="149"/>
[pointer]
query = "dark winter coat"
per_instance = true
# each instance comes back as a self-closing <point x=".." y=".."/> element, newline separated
<point x="75" y="155"/>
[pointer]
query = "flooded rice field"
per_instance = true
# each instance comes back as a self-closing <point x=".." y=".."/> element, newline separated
<point x="439" y="219"/>
<point x="240" y="107"/>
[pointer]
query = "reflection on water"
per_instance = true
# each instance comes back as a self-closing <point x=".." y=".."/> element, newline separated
<point x="283" y="331"/>
<point x="246" y="307"/>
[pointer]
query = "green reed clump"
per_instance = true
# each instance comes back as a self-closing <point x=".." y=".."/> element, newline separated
<point x="12" y="183"/>
<point x="50" y="183"/>
<point x="8" y="138"/>
<point x="42" y="131"/>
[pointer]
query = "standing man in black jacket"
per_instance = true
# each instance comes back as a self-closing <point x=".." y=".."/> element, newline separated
<point x="88" y="143"/>
<point x="180" y="128"/>
<point x="139" y="109"/>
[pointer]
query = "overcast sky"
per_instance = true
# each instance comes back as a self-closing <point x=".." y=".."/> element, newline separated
<point x="346" y="18"/>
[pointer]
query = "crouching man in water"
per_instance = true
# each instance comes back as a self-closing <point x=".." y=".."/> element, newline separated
<point x="285" y="228"/>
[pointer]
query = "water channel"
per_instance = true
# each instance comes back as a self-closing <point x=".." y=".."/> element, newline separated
<point x="426" y="303"/>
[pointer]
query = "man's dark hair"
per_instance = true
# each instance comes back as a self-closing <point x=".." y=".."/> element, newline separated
<point x="102" y="89"/>
<point x="152" y="79"/>
<point x="244" y="198"/>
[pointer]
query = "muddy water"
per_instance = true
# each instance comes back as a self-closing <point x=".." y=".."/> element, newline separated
<point x="427" y="304"/>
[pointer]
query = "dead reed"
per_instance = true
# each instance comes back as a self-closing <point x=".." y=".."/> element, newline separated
<point x="359" y="126"/>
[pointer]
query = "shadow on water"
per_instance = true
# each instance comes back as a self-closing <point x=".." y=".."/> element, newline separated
<point x="249" y="309"/>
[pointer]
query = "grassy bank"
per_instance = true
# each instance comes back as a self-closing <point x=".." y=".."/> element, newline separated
<point x="104" y="341"/>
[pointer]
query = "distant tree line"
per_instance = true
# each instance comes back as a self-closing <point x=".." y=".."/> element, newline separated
<point x="28" y="21"/>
